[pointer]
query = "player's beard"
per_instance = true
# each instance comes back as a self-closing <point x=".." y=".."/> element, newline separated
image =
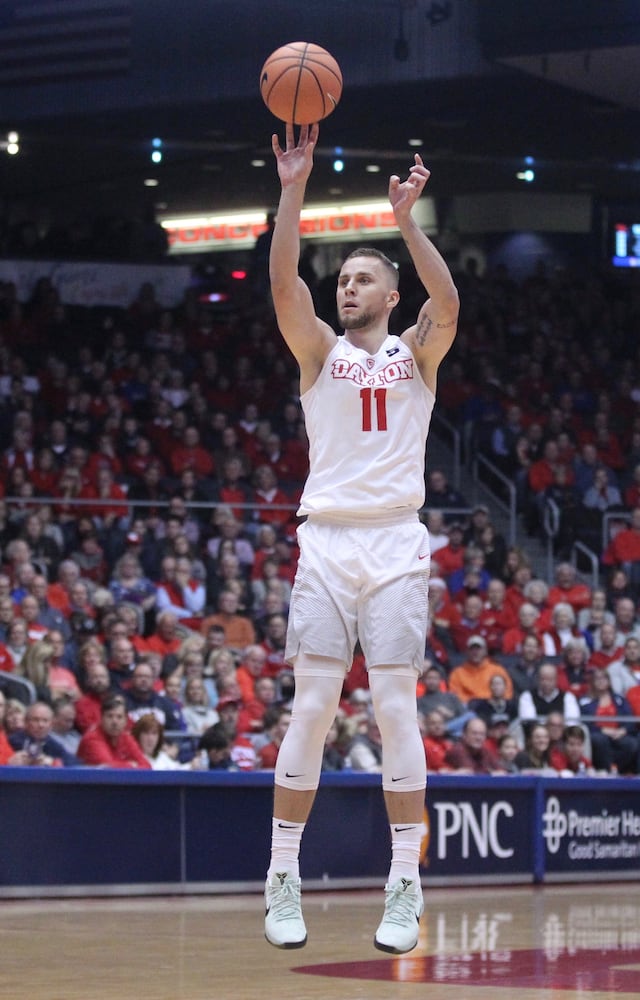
<point x="359" y="321"/>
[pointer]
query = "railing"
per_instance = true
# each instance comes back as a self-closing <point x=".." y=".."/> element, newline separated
<point x="509" y="507"/>
<point x="21" y="503"/>
<point x="459" y="513"/>
<point x="452" y="436"/>
<point x="591" y="557"/>
<point x="183" y="738"/>
<point x="551" y="527"/>
<point x="605" y="720"/>
<point x="607" y="518"/>
<point x="14" y="685"/>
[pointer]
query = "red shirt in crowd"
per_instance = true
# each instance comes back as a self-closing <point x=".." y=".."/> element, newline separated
<point x="95" y="749"/>
<point x="625" y="547"/>
<point x="435" y="751"/>
<point x="88" y="711"/>
<point x="578" y="596"/>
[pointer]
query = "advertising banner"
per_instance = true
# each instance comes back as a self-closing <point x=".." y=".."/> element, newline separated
<point x="480" y="828"/>
<point x="589" y="830"/>
<point x="98" y="283"/>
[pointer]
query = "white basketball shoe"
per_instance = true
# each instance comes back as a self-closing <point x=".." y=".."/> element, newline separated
<point x="284" y="925"/>
<point x="398" y="930"/>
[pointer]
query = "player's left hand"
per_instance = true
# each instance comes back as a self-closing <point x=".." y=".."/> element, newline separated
<point x="403" y="196"/>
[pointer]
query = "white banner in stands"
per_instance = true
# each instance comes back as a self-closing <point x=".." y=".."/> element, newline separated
<point x="97" y="283"/>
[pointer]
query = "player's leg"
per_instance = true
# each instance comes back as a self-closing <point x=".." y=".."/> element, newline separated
<point x="321" y="637"/>
<point x="404" y="778"/>
<point x="318" y="687"/>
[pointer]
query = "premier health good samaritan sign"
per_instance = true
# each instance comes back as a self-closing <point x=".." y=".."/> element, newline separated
<point x="583" y="833"/>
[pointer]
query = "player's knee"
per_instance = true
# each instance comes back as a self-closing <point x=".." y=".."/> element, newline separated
<point x="394" y="702"/>
<point x="315" y="704"/>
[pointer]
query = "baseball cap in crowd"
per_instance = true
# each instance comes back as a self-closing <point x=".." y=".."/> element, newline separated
<point x="480" y="507"/>
<point x="475" y="640"/>
<point x="455" y="526"/>
<point x="498" y="717"/>
<point x="228" y="700"/>
<point x="438" y="582"/>
<point x="133" y="538"/>
<point x="82" y="624"/>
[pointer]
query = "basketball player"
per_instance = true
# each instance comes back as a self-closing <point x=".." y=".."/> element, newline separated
<point x="364" y="564"/>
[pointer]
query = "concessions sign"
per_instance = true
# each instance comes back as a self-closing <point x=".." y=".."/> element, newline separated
<point x="324" y="222"/>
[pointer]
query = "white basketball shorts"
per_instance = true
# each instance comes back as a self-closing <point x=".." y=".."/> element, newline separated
<point x="365" y="581"/>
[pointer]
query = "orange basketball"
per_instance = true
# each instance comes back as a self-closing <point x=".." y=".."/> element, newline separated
<point x="301" y="83"/>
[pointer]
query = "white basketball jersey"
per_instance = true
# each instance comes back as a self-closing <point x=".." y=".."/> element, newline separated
<point x="367" y="418"/>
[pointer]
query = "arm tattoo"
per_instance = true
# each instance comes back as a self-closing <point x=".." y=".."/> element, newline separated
<point x="422" y="332"/>
<point x="424" y="327"/>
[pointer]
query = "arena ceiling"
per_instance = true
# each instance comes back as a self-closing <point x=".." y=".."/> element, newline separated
<point x="476" y="131"/>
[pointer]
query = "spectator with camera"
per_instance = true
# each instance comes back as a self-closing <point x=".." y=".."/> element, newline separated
<point x="34" y="745"/>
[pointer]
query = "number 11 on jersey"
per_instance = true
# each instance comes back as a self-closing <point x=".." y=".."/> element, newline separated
<point x="374" y="405"/>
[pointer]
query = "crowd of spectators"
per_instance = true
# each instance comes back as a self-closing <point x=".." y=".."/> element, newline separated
<point x="104" y="237"/>
<point x="544" y="380"/>
<point x="152" y="461"/>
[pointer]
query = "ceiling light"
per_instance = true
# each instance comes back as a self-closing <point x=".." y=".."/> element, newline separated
<point x="372" y="168"/>
<point x="258" y="163"/>
<point x="416" y="142"/>
<point x="150" y="182"/>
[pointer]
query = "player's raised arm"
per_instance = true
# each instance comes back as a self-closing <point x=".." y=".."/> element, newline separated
<point x="306" y="335"/>
<point x="435" y="329"/>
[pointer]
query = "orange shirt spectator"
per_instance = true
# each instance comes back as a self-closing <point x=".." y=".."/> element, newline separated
<point x="472" y="678"/>
<point x="239" y="631"/>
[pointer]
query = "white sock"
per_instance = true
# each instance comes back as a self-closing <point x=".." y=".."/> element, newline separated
<point x="405" y="851"/>
<point x="285" y="847"/>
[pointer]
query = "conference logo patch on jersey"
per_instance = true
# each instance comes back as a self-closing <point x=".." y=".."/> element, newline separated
<point x="395" y="371"/>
